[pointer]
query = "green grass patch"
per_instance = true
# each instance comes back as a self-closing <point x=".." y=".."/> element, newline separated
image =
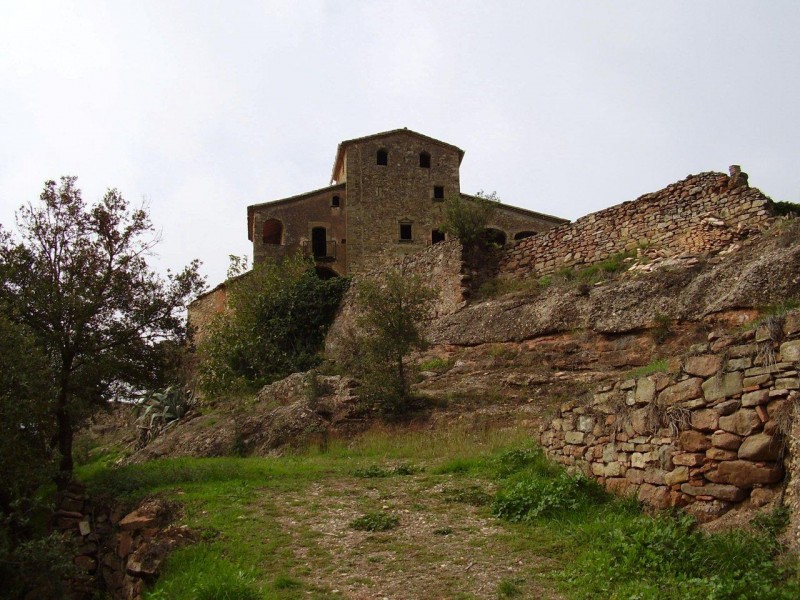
<point x="375" y="521"/>
<point x="437" y="365"/>
<point x="660" y="365"/>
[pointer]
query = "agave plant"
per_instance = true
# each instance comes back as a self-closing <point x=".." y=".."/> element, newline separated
<point x="159" y="410"/>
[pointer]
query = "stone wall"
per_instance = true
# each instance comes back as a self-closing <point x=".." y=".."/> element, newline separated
<point x="699" y="214"/>
<point x="440" y="266"/>
<point x="710" y="436"/>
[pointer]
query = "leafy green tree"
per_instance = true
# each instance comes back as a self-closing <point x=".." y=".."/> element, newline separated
<point x="392" y="310"/>
<point x="77" y="277"/>
<point x="467" y="217"/>
<point x="277" y="319"/>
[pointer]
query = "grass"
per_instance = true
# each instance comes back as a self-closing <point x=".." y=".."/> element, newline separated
<point x="660" y="365"/>
<point x="268" y="525"/>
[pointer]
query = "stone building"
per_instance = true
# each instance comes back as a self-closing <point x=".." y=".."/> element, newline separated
<point x="385" y="199"/>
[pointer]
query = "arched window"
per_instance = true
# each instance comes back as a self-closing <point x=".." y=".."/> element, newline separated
<point x="335" y="202"/>
<point x="424" y="160"/>
<point x="523" y="234"/>
<point x="272" y="232"/>
<point x="382" y="157"/>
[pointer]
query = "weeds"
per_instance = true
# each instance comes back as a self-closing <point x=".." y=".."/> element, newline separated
<point x="533" y="497"/>
<point x="375" y="521"/>
<point x="437" y="365"/>
<point x="662" y="327"/>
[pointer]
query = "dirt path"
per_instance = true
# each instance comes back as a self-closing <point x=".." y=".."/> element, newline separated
<point x="443" y="547"/>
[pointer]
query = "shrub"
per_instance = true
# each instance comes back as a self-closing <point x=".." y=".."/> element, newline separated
<point x="533" y="497"/>
<point x="466" y="218"/>
<point x="278" y="317"/>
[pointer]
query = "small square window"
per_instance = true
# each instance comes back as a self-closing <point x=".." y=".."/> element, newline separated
<point x="405" y="232"/>
<point x="438" y="192"/>
<point x="382" y="157"/>
<point x="335" y="202"/>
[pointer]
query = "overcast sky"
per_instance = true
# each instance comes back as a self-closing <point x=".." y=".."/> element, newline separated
<point x="201" y="108"/>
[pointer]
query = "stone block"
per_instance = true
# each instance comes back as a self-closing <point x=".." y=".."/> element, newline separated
<point x="723" y="385"/>
<point x="574" y="437"/>
<point x="677" y="475"/>
<point x="757" y="380"/>
<point x="714" y="453"/>
<point x="654" y="476"/>
<point x="613" y="469"/>
<point x="745" y="474"/>
<point x="727" y="407"/>
<point x="739" y="364"/>
<point x="787" y="383"/>
<point x="645" y="390"/>
<point x="705" y="420"/>
<point x="760" y="447"/>
<point x="694" y="441"/>
<point x="790" y="351"/>
<point x="635" y="476"/>
<point x="585" y="423"/>
<point x="688" y="389"/>
<point x="655" y="495"/>
<point x="726" y="440"/>
<point x="729" y="493"/>
<point x="688" y="459"/>
<point x="755" y="398"/>
<point x="743" y="422"/>
<point x="702" y="366"/>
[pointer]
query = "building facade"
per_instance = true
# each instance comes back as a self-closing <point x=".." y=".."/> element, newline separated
<point x="386" y="199"/>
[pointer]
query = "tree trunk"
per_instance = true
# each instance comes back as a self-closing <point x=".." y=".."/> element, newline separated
<point x="64" y="428"/>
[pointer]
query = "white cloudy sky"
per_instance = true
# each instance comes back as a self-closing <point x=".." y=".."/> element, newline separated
<point x="566" y="107"/>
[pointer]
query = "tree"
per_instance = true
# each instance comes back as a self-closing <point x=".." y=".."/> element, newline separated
<point x="277" y="319"/>
<point x="467" y="217"/>
<point x="392" y="310"/>
<point x="77" y="277"/>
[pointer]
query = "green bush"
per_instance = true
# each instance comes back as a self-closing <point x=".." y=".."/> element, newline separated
<point x="278" y="317"/>
<point x="532" y="497"/>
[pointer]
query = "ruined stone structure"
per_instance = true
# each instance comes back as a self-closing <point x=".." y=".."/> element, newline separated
<point x="702" y="213"/>
<point x="386" y="200"/>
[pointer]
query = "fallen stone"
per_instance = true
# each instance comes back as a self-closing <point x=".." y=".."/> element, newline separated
<point x="705" y="512"/>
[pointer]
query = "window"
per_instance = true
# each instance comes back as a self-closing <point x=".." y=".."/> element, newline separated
<point x="335" y="202"/>
<point x="405" y="232"/>
<point x="424" y="160"/>
<point x="272" y="232"/>
<point x="382" y="157"/>
<point x="438" y="192"/>
<point x="524" y="234"/>
<point x="437" y="236"/>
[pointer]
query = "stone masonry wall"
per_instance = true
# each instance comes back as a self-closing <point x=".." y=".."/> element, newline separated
<point x="709" y="437"/>
<point x="699" y="214"/>
<point x="440" y="266"/>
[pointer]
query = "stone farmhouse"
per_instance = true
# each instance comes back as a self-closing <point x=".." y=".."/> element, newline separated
<point x="385" y="200"/>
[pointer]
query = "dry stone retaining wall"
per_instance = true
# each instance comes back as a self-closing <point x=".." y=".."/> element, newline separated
<point x="699" y="214"/>
<point x="708" y="438"/>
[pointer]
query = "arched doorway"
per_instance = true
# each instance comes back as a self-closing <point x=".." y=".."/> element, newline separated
<point x="325" y="272"/>
<point x="494" y="236"/>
